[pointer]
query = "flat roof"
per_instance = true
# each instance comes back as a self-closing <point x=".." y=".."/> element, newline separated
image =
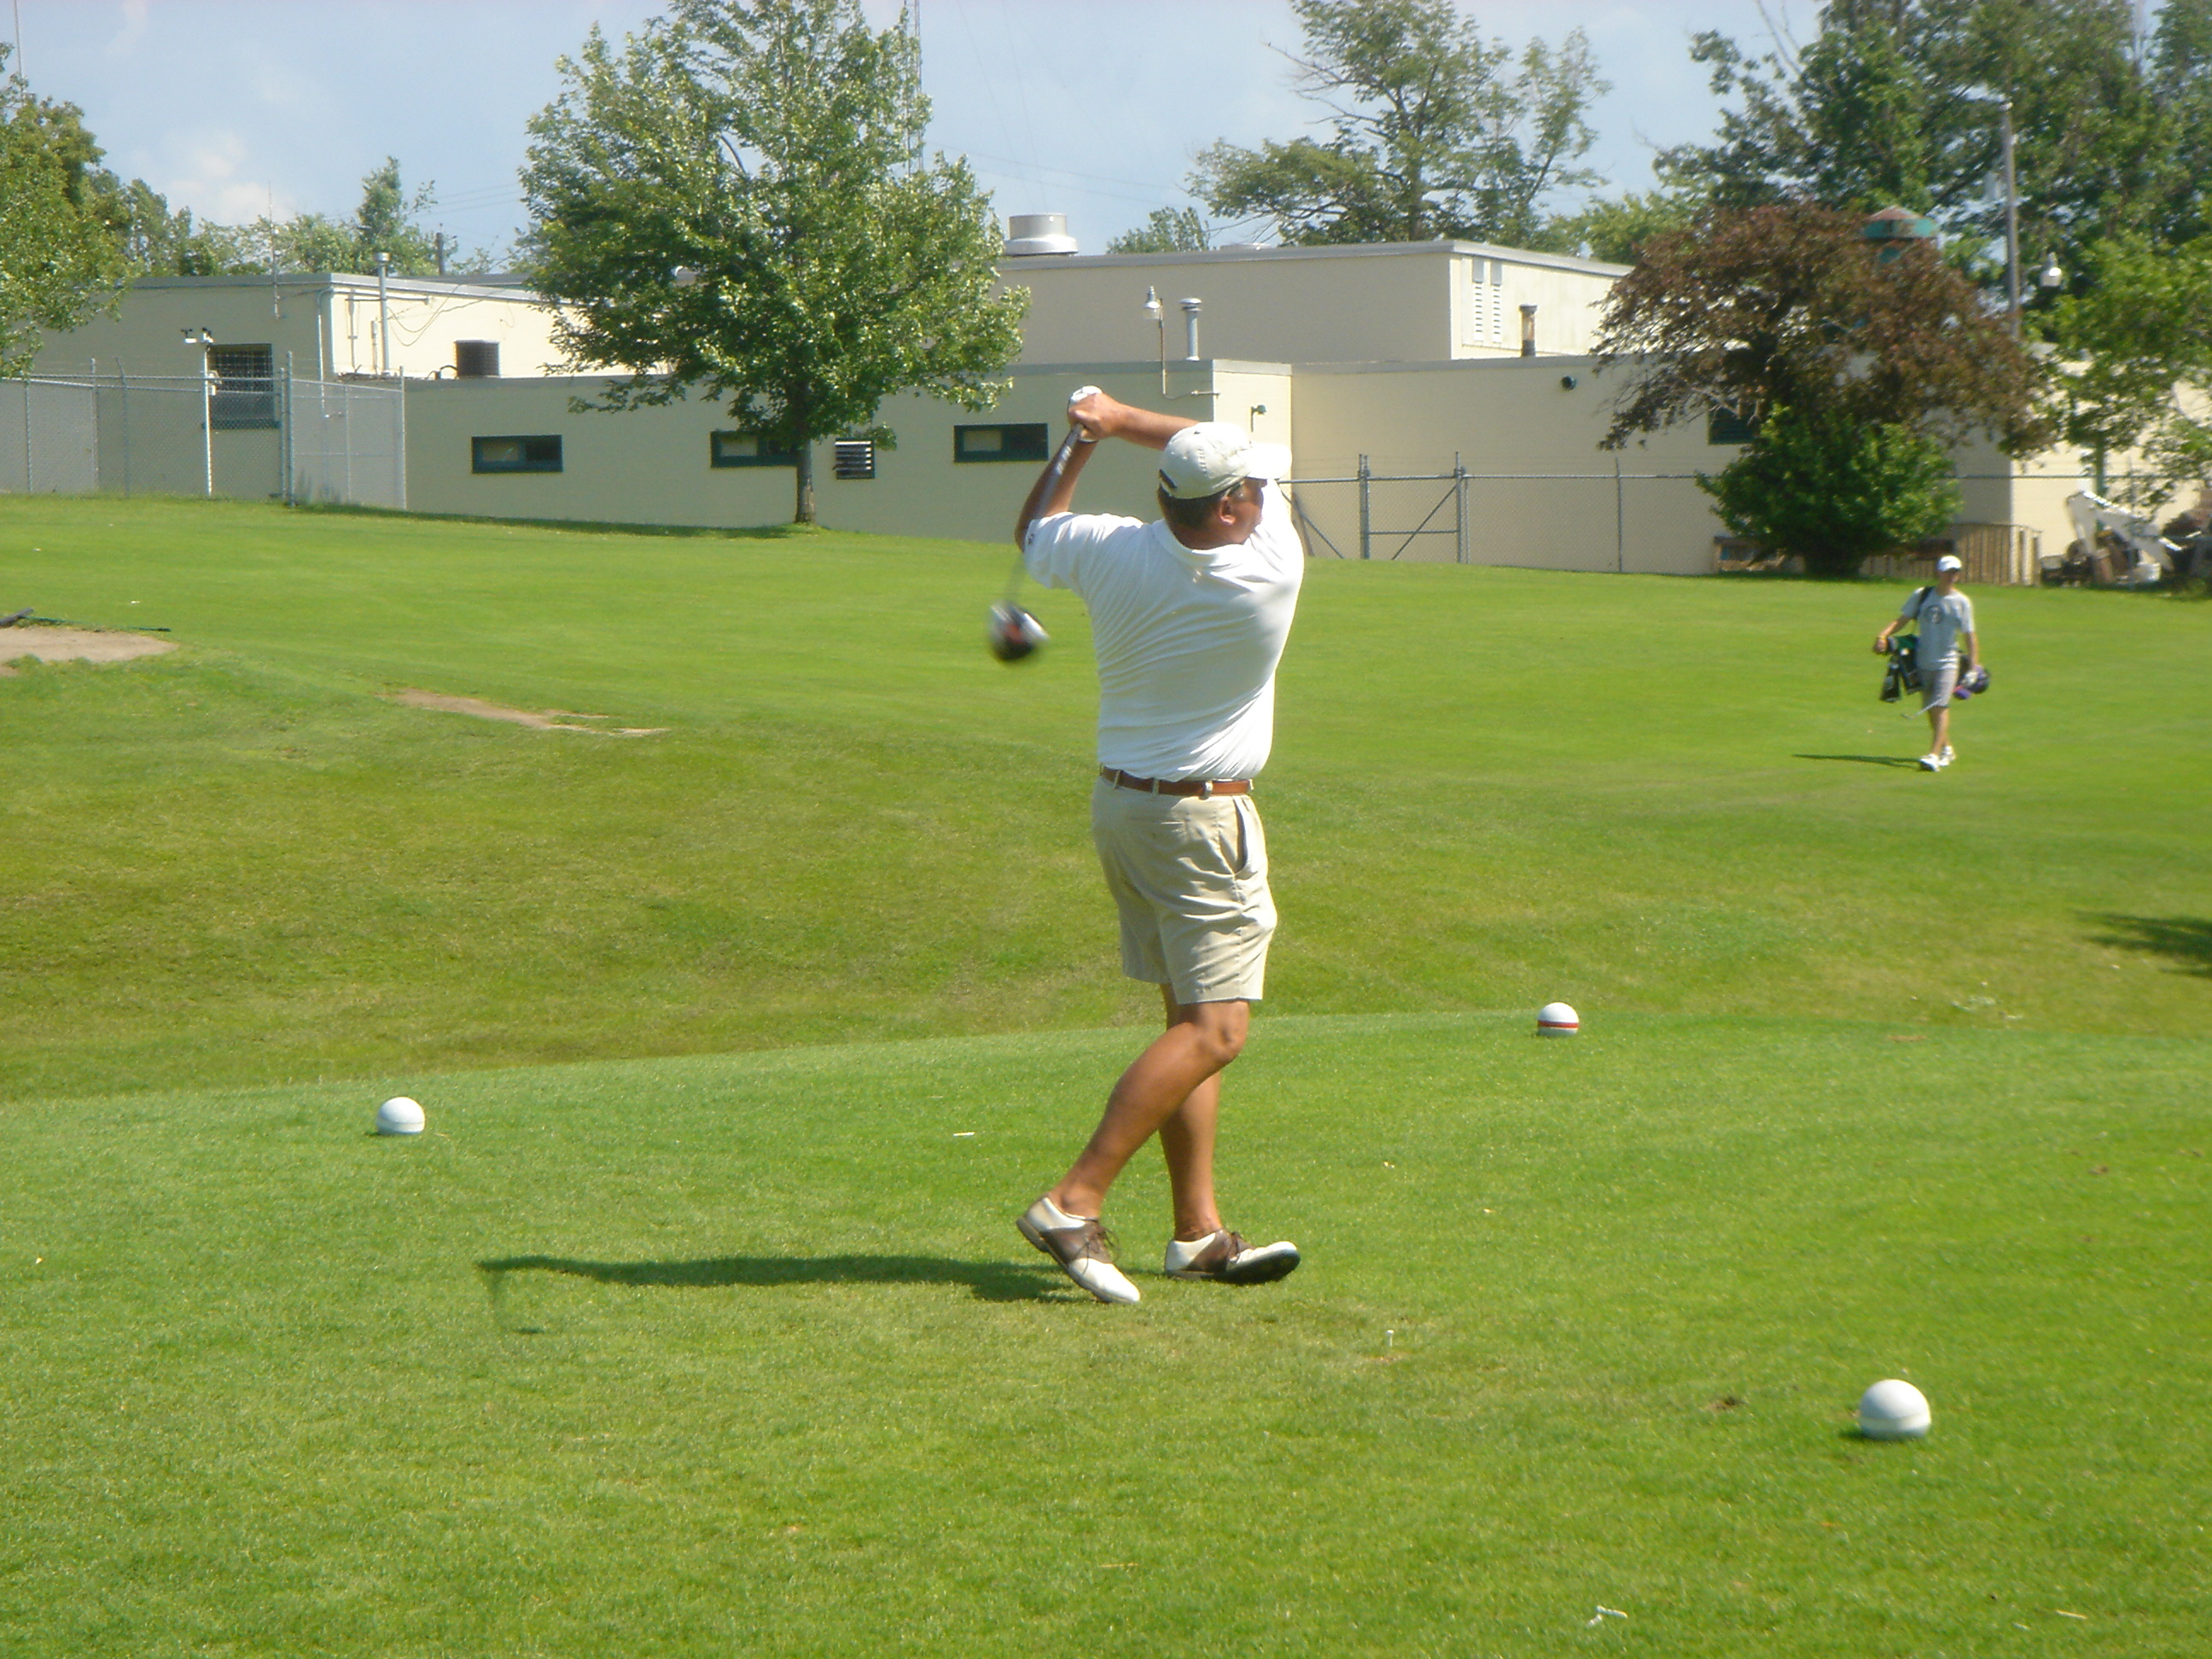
<point x="488" y="285"/>
<point x="1244" y="252"/>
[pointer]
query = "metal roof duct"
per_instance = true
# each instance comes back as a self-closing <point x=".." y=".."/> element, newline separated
<point x="1037" y="233"/>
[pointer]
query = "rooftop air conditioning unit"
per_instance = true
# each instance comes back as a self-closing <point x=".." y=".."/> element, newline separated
<point x="1037" y="233"/>
<point x="476" y="359"/>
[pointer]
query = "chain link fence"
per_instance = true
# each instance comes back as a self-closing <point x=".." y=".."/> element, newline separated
<point x="1609" y="520"/>
<point x="271" y="436"/>
<point x="1615" y="520"/>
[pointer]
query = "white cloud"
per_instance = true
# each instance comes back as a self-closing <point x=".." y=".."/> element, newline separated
<point x="213" y="179"/>
<point x="126" y="39"/>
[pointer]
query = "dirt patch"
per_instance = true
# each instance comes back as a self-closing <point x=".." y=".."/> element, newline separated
<point x="548" y="719"/>
<point x="74" y="645"/>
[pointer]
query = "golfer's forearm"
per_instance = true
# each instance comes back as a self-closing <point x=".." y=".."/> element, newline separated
<point x="1052" y="492"/>
<point x="1147" y="426"/>
<point x="1974" y="650"/>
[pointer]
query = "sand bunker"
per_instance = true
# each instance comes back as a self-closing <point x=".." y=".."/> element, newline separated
<point x="74" y="645"/>
<point x="549" y="719"/>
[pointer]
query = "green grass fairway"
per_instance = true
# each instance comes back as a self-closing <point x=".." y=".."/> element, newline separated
<point x="742" y="1356"/>
<point x="239" y="865"/>
<point x="697" y="1324"/>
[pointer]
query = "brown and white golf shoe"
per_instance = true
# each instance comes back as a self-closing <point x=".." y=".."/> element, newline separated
<point x="1082" y="1247"/>
<point x="1225" y="1258"/>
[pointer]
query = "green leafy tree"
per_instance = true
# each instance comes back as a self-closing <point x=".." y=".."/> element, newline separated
<point x="1615" y="228"/>
<point x="1791" y="307"/>
<point x="2180" y="76"/>
<point x="1434" y="132"/>
<point x="1165" y="230"/>
<point x="59" y="260"/>
<point x="1895" y="102"/>
<point x="1831" y="489"/>
<point x="157" y="241"/>
<point x="2135" y="360"/>
<point x="736" y="202"/>
<point x="388" y="220"/>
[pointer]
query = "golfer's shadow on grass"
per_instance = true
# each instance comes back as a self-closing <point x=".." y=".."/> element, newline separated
<point x="991" y="1281"/>
<point x="1906" y="761"/>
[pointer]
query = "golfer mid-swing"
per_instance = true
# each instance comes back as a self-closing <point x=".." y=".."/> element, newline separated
<point x="1189" y="614"/>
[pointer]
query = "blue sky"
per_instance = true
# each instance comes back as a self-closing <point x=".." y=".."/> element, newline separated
<point x="1090" y="107"/>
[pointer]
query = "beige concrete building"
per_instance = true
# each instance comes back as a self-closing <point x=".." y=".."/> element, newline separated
<point x="1393" y="302"/>
<point x="328" y="326"/>
<point x="1439" y="397"/>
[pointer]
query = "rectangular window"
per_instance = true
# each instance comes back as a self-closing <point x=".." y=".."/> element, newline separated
<point x="539" y="454"/>
<point x="1026" y="442"/>
<point x="244" y="393"/>
<point x="1725" y="425"/>
<point x="742" y="449"/>
<point x="854" y="457"/>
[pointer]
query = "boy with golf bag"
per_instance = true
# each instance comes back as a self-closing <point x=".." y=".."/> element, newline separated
<point x="1943" y="617"/>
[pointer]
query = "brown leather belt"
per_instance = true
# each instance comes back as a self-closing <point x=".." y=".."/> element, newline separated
<point x="1205" y="788"/>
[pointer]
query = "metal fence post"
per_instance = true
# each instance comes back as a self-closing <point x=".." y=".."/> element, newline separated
<point x="1620" y="521"/>
<point x="28" y="485"/>
<point x="1459" y="508"/>
<point x="1365" y="551"/>
<point x="284" y="421"/>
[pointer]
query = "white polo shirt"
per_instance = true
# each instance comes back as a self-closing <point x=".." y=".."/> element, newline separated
<point x="1187" y="642"/>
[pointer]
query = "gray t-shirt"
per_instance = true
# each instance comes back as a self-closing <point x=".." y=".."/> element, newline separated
<point x="1938" y="621"/>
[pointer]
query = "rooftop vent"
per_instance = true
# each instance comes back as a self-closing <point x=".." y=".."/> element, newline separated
<point x="1037" y="233"/>
<point x="476" y="359"/>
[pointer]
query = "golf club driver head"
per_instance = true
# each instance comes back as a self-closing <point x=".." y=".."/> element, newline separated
<point x="1015" y="633"/>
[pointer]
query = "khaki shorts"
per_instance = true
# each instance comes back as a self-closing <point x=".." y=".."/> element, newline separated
<point x="1189" y="877"/>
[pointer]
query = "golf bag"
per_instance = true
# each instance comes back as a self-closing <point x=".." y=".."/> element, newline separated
<point x="1902" y="673"/>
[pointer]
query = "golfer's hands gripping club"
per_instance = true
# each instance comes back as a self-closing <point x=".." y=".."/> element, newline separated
<point x="1089" y="414"/>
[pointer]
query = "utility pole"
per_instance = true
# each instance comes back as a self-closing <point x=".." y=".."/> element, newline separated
<point x="438" y="243"/>
<point x="383" y="314"/>
<point x="2012" y="222"/>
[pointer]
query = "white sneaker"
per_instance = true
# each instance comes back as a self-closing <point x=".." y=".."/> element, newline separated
<point x="1225" y="1256"/>
<point x="1931" y="763"/>
<point x="1948" y="755"/>
<point x="1082" y="1247"/>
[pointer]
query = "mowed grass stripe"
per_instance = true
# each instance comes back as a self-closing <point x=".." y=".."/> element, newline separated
<point x="238" y="863"/>
<point x="741" y="1354"/>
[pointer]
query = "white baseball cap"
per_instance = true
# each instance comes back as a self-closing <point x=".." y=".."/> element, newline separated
<point x="1949" y="562"/>
<point x="1205" y="460"/>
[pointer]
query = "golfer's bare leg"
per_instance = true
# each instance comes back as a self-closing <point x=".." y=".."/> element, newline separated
<point x="1939" y="726"/>
<point x="1200" y="1040"/>
<point x="1186" y="1140"/>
